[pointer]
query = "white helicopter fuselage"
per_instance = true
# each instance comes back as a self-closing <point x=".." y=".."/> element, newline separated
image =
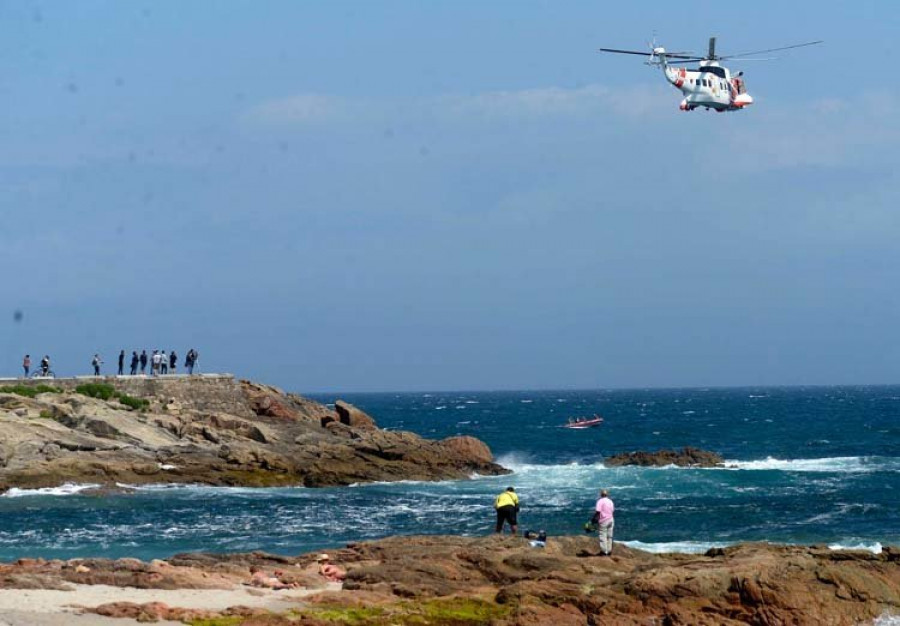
<point x="711" y="86"/>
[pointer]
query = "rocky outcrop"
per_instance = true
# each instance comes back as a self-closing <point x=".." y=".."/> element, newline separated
<point x="567" y="583"/>
<point x="504" y="581"/>
<point x="265" y="438"/>
<point x="686" y="457"/>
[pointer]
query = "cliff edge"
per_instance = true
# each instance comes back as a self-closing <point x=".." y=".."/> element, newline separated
<point x="209" y="429"/>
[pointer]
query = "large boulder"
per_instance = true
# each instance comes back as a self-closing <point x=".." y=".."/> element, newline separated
<point x="266" y="401"/>
<point x="352" y="416"/>
<point x="469" y="448"/>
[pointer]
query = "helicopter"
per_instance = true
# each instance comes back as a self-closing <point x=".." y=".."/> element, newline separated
<point x="711" y="85"/>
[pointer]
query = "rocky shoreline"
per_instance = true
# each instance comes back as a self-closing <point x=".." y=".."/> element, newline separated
<point x="219" y="431"/>
<point x="212" y="430"/>
<point x="499" y="580"/>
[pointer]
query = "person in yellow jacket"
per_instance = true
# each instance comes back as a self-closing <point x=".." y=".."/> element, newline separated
<point x="507" y="506"/>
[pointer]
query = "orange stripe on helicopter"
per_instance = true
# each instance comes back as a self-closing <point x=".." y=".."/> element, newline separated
<point x="680" y="80"/>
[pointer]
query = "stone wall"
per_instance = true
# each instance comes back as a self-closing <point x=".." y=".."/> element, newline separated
<point x="204" y="392"/>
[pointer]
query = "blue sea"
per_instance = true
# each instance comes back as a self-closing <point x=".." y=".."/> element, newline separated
<point x="804" y="465"/>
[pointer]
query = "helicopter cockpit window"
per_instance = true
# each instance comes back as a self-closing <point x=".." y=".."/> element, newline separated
<point x="718" y="71"/>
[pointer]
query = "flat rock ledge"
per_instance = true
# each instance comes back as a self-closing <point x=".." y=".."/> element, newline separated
<point x="503" y="581"/>
<point x="211" y="430"/>
<point x="686" y="457"/>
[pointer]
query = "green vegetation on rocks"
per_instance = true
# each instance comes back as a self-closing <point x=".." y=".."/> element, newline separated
<point x="135" y="403"/>
<point x="436" y="612"/>
<point x="104" y="391"/>
<point x="29" y="391"/>
<point x="101" y="391"/>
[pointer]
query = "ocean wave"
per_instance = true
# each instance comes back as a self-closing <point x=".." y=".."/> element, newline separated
<point x="828" y="464"/>
<point x="201" y="489"/>
<point x="874" y="548"/>
<point x="887" y="619"/>
<point x="683" y="547"/>
<point x="67" y="489"/>
<point x="521" y="463"/>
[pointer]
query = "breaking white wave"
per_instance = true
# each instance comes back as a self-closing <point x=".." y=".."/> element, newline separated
<point x="829" y="464"/>
<point x="67" y="489"/>
<point x="521" y="463"/>
<point x="886" y="619"/>
<point x="874" y="548"/>
<point x="682" y="547"/>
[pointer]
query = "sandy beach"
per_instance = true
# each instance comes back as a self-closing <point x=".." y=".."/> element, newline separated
<point x="50" y="607"/>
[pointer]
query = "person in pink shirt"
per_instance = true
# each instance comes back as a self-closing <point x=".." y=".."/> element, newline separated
<point x="605" y="509"/>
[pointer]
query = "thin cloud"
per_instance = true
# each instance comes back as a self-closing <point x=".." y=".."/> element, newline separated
<point x="530" y="102"/>
<point x="305" y="110"/>
<point x="828" y="133"/>
<point x="299" y="110"/>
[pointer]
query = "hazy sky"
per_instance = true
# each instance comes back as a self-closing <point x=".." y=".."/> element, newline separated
<point x="450" y="195"/>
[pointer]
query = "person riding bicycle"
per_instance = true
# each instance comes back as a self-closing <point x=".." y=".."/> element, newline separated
<point x="45" y="365"/>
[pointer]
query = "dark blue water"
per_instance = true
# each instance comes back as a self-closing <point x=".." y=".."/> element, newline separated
<point x="806" y="465"/>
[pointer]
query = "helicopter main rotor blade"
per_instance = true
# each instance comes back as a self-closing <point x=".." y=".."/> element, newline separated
<point x="743" y="54"/>
<point x="643" y="54"/>
<point x="669" y="55"/>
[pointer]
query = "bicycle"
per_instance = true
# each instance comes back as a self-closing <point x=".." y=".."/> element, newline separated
<point x="39" y="373"/>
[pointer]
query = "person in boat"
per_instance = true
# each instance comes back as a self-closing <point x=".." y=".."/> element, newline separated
<point x="507" y="507"/>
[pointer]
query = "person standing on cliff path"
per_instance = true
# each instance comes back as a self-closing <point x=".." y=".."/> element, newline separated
<point x="507" y="507"/>
<point x="143" y="361"/>
<point x="154" y="363"/>
<point x="96" y="363"/>
<point x="189" y="360"/>
<point x="605" y="509"/>
<point x="173" y="361"/>
<point x="121" y="363"/>
<point x="26" y="364"/>
<point x="134" y="362"/>
<point x="163" y="362"/>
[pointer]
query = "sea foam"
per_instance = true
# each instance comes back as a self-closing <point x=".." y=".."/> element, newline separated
<point x="874" y="548"/>
<point x="66" y="489"/>
<point x="682" y="547"/>
<point x="830" y="464"/>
